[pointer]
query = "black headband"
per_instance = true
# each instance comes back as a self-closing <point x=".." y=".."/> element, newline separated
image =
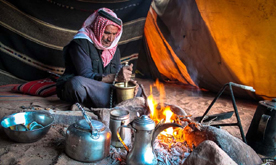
<point x="110" y="17"/>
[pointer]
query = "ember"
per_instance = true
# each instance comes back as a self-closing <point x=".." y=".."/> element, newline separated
<point x="117" y="155"/>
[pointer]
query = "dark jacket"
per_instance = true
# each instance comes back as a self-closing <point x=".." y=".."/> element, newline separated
<point x="83" y="59"/>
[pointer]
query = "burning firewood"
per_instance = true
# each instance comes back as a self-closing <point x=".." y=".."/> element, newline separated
<point x="146" y="103"/>
<point x="169" y="151"/>
<point x="118" y="154"/>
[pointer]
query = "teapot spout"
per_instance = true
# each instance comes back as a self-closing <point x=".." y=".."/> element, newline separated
<point x="161" y="127"/>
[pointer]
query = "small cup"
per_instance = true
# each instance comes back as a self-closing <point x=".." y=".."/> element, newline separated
<point x="21" y="127"/>
<point x="34" y="125"/>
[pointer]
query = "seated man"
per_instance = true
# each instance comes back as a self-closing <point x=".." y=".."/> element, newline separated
<point x="92" y="60"/>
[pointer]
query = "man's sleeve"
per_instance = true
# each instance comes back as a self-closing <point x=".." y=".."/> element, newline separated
<point x="118" y="59"/>
<point x="82" y="62"/>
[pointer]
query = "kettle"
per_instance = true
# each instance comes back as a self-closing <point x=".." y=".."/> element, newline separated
<point x="261" y="135"/>
<point x="87" y="140"/>
<point x="145" y="134"/>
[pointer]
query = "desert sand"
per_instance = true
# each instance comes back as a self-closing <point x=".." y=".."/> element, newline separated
<point x="50" y="149"/>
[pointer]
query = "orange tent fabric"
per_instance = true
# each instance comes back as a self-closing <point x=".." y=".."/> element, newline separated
<point x="245" y="34"/>
<point x="162" y="54"/>
<point x="217" y="42"/>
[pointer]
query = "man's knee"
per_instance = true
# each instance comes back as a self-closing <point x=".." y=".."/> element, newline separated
<point x="75" y="89"/>
<point x="75" y="83"/>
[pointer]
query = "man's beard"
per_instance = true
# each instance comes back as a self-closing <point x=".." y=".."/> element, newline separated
<point x="106" y="43"/>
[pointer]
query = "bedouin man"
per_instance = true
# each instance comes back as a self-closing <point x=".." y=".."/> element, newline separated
<point x="92" y="59"/>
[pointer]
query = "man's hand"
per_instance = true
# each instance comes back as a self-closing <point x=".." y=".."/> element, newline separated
<point x="125" y="73"/>
<point x="123" y="76"/>
<point x="108" y="78"/>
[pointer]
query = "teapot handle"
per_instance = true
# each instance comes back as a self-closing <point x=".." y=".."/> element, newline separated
<point x="262" y="125"/>
<point x="119" y="137"/>
<point x="161" y="127"/>
<point x="94" y="132"/>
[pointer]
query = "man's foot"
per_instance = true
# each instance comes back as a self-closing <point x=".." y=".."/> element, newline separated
<point x="74" y="107"/>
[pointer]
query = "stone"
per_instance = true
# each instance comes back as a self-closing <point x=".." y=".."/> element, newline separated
<point x="103" y="114"/>
<point x="135" y="107"/>
<point x="239" y="151"/>
<point x="70" y="117"/>
<point x="208" y="152"/>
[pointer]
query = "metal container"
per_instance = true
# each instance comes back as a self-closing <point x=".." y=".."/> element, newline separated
<point x="261" y="135"/>
<point x="142" y="151"/>
<point x="124" y="93"/>
<point x="119" y="118"/>
<point x="20" y="121"/>
<point x="85" y="145"/>
<point x="145" y="134"/>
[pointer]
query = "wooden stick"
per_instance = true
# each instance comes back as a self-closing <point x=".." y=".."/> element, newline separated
<point x="146" y="97"/>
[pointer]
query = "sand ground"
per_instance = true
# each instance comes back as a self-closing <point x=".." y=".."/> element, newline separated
<point x="49" y="149"/>
<point x="195" y="103"/>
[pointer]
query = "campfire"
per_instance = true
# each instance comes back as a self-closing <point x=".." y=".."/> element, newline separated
<point x="174" y="146"/>
<point x="169" y="146"/>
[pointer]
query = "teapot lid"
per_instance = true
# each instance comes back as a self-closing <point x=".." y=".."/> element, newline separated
<point x="143" y="123"/>
<point x="270" y="104"/>
<point x="82" y="124"/>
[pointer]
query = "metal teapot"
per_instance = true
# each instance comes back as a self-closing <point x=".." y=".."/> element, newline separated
<point x="145" y="134"/>
<point x="261" y="135"/>
<point x="87" y="140"/>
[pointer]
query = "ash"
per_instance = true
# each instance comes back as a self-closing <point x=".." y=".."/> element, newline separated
<point x="117" y="156"/>
<point x="170" y="152"/>
<point x="167" y="150"/>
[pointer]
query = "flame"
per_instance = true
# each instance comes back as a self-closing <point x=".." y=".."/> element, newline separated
<point x="151" y="103"/>
<point x="160" y="113"/>
<point x="160" y="87"/>
<point x="168" y="113"/>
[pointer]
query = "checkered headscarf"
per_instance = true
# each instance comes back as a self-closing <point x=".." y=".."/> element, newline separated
<point x="93" y="29"/>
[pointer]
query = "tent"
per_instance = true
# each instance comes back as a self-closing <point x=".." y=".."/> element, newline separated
<point x="202" y="44"/>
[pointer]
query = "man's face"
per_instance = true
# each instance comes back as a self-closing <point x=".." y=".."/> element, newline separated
<point x="109" y="35"/>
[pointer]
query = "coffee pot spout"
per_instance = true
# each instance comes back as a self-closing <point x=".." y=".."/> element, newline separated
<point x="161" y="127"/>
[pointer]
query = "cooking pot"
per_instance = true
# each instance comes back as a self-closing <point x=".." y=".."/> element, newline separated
<point x="87" y="140"/>
<point x="261" y="135"/>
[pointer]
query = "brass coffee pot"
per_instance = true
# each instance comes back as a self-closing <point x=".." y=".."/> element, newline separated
<point x="145" y="134"/>
<point x="124" y="92"/>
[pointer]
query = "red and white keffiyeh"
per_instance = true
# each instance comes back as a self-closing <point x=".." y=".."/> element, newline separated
<point x="93" y="29"/>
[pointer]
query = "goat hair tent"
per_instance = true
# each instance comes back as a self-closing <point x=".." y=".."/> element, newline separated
<point x="34" y="32"/>
<point x="201" y="43"/>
